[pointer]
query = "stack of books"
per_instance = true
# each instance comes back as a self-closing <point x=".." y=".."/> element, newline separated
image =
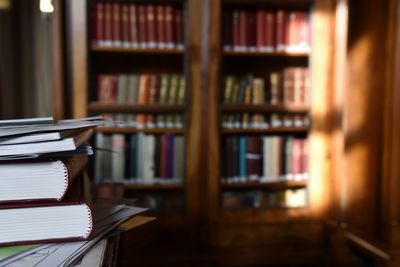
<point x="45" y="193"/>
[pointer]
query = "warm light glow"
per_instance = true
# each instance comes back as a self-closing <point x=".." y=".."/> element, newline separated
<point x="46" y="6"/>
<point x="5" y="4"/>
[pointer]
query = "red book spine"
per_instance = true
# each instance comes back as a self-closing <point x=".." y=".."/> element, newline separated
<point x="133" y="26"/>
<point x="281" y="30"/>
<point x="304" y="159"/>
<point x="151" y="26"/>
<point x="270" y="28"/>
<point x="236" y="30"/>
<point x="169" y="27"/>
<point x="116" y="25"/>
<point x="107" y="91"/>
<point x="125" y="26"/>
<point x="260" y="26"/>
<point x="107" y="24"/>
<point x="296" y="159"/>
<point x="292" y="32"/>
<point x="253" y="157"/>
<point x="242" y="30"/>
<point x="179" y="28"/>
<point x="161" y="38"/>
<point x="98" y="25"/>
<point x="142" y="26"/>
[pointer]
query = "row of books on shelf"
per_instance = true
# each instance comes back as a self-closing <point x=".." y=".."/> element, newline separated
<point x="131" y="25"/>
<point x="248" y="120"/>
<point x="288" y="198"/>
<point x="141" y="89"/>
<point x="145" y="121"/>
<point x="264" y="158"/>
<point x="266" y="31"/>
<point x="140" y="157"/>
<point x="291" y="86"/>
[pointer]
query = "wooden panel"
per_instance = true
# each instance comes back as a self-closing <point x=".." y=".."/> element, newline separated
<point x="77" y="45"/>
<point x="364" y="115"/>
<point x="58" y="61"/>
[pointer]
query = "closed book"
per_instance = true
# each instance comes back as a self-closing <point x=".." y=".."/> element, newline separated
<point x="118" y="157"/>
<point x="48" y="222"/>
<point x="275" y="91"/>
<point x="153" y="99"/>
<point x="107" y="91"/>
<point x="125" y="26"/>
<point x="160" y="27"/>
<point x="243" y="30"/>
<point x="260" y="30"/>
<point x="253" y="157"/>
<point x="163" y="156"/>
<point x="235" y="30"/>
<point x="169" y="27"/>
<point x="148" y="162"/>
<point x="66" y="144"/>
<point x="116" y="25"/>
<point x="163" y="98"/>
<point x="45" y="180"/>
<point x="132" y="165"/>
<point x="227" y="30"/>
<point x="141" y="17"/>
<point x="270" y="32"/>
<point x="170" y="156"/>
<point x="139" y="155"/>
<point x="151" y="25"/>
<point x="108" y="24"/>
<point x="281" y="30"/>
<point x="132" y="97"/>
<point x="98" y="34"/>
<point x="102" y="170"/>
<point x="157" y="156"/>
<point x="242" y="158"/>
<point x="133" y="26"/>
<point x="122" y="94"/>
<point x="179" y="29"/>
<point x="251" y="32"/>
<point x="143" y="98"/>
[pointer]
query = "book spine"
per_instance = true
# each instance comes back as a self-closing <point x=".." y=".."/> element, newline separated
<point x="236" y="30"/>
<point x="227" y="30"/>
<point x="270" y="33"/>
<point x="179" y="28"/>
<point x="161" y="38"/>
<point x="169" y="27"/>
<point x="281" y="30"/>
<point x="142" y="26"/>
<point x="125" y="26"/>
<point x="108" y="24"/>
<point x="133" y="21"/>
<point x="116" y="25"/>
<point x="260" y="25"/>
<point x="99" y="37"/>
<point x="151" y="26"/>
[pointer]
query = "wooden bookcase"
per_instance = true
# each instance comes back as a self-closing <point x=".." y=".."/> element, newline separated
<point x="251" y="235"/>
<point x="226" y="237"/>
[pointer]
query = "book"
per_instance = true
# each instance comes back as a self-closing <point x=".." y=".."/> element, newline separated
<point x="27" y="121"/>
<point x="36" y="137"/>
<point x="65" y="144"/>
<point x="45" y="222"/>
<point x="27" y="181"/>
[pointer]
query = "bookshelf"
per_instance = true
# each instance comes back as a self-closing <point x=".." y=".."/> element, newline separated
<point x="204" y="64"/>
<point x="301" y="224"/>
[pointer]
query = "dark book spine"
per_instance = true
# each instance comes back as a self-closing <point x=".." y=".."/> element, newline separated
<point x="161" y="38"/>
<point x="281" y="30"/>
<point x="125" y="26"/>
<point x="251" y="31"/>
<point x="108" y="24"/>
<point x="116" y="25"/>
<point x="98" y="38"/>
<point x="163" y="160"/>
<point x="169" y="27"/>
<point x="170" y="156"/>
<point x="236" y="30"/>
<point x="141" y="15"/>
<point x="243" y="30"/>
<point x="133" y="156"/>
<point x="179" y="28"/>
<point x="260" y="30"/>
<point x="227" y="31"/>
<point x="133" y="26"/>
<point x="157" y="157"/>
<point x="270" y="32"/>
<point x="151" y="26"/>
<point x="253" y="157"/>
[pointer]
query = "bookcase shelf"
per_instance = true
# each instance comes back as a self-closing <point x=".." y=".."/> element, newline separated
<point x="127" y="130"/>
<point x="267" y="54"/>
<point x="155" y="51"/>
<point x="155" y="186"/>
<point x="265" y="185"/>
<point x="234" y="108"/>
<point x="277" y="130"/>
<point x="134" y="108"/>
